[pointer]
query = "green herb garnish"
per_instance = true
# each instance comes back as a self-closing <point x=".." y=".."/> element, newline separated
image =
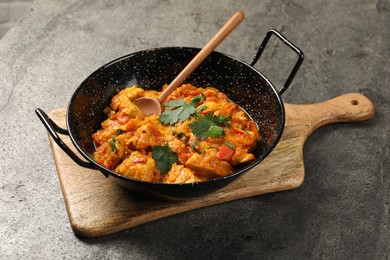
<point x="164" y="157"/>
<point x="209" y="126"/>
<point x="194" y="146"/>
<point x="219" y="120"/>
<point x="201" y="108"/>
<point x="215" y="131"/>
<point x="181" y="112"/>
<point x="112" y="144"/>
<point x="230" y="145"/>
<point x="180" y="135"/>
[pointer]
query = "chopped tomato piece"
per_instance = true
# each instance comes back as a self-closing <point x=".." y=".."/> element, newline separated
<point x="131" y="125"/>
<point x="192" y="93"/>
<point x="95" y="137"/>
<point x="211" y="99"/>
<point x="209" y="93"/>
<point x="225" y="153"/>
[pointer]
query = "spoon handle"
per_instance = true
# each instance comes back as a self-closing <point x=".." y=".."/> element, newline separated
<point x="228" y="27"/>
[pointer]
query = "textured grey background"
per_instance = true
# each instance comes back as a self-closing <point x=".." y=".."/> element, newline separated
<point x="341" y="210"/>
<point x="10" y="12"/>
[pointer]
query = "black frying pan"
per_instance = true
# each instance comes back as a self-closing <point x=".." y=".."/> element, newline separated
<point x="151" y="69"/>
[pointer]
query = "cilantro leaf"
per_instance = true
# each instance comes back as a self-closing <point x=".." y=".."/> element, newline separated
<point x="164" y="157"/>
<point x="207" y="126"/>
<point x="181" y="112"/>
<point x="201" y="108"/>
<point x="215" y="131"/>
<point x="219" y="120"/>
<point x="195" y="101"/>
<point x="175" y="103"/>
<point x="225" y="121"/>
<point x="200" y="127"/>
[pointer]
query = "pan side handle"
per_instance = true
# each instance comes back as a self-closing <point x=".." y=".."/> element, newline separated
<point x="292" y="47"/>
<point x="53" y="130"/>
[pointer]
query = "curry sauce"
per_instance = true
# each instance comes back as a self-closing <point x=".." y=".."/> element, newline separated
<point x="199" y="136"/>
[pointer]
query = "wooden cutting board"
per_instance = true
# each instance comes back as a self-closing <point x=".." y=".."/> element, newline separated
<point x="98" y="206"/>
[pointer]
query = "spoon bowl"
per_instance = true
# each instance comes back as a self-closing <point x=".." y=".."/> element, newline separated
<point x="149" y="106"/>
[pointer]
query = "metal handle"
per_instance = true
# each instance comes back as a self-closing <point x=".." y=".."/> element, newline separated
<point x="289" y="44"/>
<point x="53" y="129"/>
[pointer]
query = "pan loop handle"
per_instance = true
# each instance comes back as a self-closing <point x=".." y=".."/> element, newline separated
<point x="53" y="129"/>
<point x="289" y="44"/>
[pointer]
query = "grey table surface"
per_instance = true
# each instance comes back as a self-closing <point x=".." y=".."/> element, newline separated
<point x="340" y="212"/>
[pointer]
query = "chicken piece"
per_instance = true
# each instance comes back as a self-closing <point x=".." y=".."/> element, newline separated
<point x="106" y="157"/>
<point x="109" y="128"/>
<point x="245" y="138"/>
<point x="146" y="136"/>
<point x="103" y="135"/>
<point x="130" y="94"/>
<point x="128" y="110"/>
<point x="179" y="147"/>
<point x="179" y="174"/>
<point x="110" y="123"/>
<point x="139" y="166"/>
<point x="240" y="120"/>
<point x="206" y="164"/>
<point x="121" y="144"/>
<point x="241" y="156"/>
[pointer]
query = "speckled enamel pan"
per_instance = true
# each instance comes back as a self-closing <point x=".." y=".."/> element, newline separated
<point x="151" y="69"/>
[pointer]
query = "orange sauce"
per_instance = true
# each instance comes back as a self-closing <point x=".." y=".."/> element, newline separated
<point x="127" y="138"/>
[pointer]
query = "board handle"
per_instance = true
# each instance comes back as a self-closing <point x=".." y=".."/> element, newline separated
<point x="351" y="107"/>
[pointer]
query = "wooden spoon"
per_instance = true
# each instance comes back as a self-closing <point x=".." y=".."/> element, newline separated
<point x="152" y="106"/>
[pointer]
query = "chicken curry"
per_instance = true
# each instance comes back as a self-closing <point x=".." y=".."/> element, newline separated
<point x="200" y="135"/>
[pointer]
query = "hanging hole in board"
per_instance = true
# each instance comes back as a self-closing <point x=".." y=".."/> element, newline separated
<point x="354" y="102"/>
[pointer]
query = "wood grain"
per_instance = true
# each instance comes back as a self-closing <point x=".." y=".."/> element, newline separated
<point x="97" y="206"/>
